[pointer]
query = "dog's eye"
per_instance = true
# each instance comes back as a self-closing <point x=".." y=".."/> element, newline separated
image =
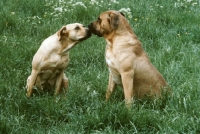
<point x="77" y="28"/>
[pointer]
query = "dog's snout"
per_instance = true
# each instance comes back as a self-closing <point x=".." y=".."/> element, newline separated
<point x="89" y="32"/>
<point x="93" y="29"/>
<point x="90" y="26"/>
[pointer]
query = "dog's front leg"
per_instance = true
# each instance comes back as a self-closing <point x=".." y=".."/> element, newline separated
<point x="111" y="86"/>
<point x="65" y="82"/>
<point x="127" y="81"/>
<point x="31" y="82"/>
<point x="59" y="82"/>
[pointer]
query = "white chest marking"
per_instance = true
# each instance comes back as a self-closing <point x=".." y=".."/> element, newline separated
<point x="115" y="74"/>
<point x="109" y="62"/>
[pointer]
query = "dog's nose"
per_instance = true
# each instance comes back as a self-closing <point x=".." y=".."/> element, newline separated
<point x="89" y="33"/>
<point x="90" y="26"/>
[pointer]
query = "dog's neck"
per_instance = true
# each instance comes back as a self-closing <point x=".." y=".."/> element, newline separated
<point x="113" y="39"/>
<point x="66" y="46"/>
<point x="110" y="37"/>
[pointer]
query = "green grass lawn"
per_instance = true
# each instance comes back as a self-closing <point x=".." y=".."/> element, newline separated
<point x="170" y="33"/>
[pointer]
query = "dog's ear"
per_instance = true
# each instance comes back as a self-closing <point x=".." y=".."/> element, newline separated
<point x="62" y="33"/>
<point x="122" y="14"/>
<point x="114" y="20"/>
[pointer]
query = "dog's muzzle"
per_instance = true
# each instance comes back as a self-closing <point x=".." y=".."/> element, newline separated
<point x="88" y="35"/>
<point x="93" y="30"/>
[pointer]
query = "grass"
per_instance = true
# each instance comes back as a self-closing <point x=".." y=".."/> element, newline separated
<point x="170" y="36"/>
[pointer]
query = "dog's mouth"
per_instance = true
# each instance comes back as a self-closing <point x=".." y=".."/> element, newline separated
<point x="88" y="35"/>
<point x="93" y="30"/>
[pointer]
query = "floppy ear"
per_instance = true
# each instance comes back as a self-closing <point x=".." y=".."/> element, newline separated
<point x="62" y="33"/>
<point x="114" y="20"/>
<point x="122" y="14"/>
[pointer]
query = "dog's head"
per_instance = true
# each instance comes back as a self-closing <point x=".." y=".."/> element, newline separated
<point x="106" y="23"/>
<point x="75" y="32"/>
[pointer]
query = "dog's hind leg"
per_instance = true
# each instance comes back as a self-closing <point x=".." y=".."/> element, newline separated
<point x="111" y="86"/>
<point x="30" y="82"/>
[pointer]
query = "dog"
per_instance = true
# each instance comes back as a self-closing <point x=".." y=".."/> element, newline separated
<point x="128" y="64"/>
<point x="52" y="58"/>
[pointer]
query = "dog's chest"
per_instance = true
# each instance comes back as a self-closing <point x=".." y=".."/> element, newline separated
<point x="60" y="62"/>
<point x="110" y="59"/>
<point x="112" y="63"/>
<point x="54" y="63"/>
<point x="52" y="67"/>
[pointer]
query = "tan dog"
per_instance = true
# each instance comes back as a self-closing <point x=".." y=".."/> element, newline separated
<point x="52" y="58"/>
<point x="128" y="63"/>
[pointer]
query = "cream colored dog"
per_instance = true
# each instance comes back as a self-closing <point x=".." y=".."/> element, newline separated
<point x="128" y="63"/>
<point x="52" y="58"/>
